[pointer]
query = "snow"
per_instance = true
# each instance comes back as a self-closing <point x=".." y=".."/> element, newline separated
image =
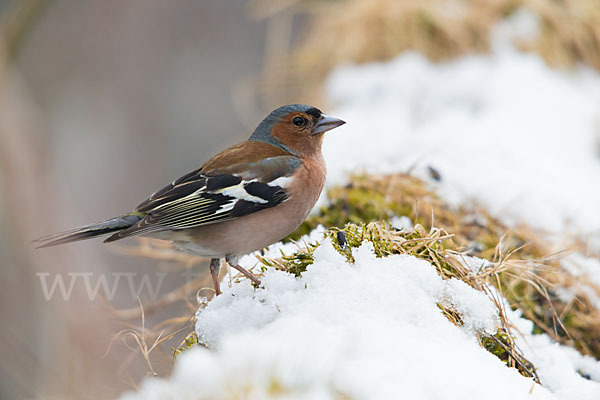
<point x="402" y="223"/>
<point x="502" y="129"/>
<point x="559" y="367"/>
<point x="371" y="330"/>
<point x="476" y="264"/>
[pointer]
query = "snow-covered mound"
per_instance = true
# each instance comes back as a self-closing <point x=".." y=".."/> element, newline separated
<point x="504" y="129"/>
<point x="369" y="330"/>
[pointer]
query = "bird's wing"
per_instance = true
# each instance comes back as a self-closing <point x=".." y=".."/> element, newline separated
<point x="216" y="192"/>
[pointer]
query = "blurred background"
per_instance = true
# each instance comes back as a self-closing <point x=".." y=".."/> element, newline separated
<point x="103" y="102"/>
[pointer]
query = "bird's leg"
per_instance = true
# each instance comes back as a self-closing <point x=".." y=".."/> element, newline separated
<point x="215" y="268"/>
<point x="233" y="261"/>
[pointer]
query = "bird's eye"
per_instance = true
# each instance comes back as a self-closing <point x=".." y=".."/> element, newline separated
<point x="299" y="121"/>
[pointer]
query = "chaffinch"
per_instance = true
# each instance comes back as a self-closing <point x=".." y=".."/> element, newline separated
<point x="245" y="198"/>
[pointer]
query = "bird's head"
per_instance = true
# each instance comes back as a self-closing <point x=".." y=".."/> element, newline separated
<point x="296" y="128"/>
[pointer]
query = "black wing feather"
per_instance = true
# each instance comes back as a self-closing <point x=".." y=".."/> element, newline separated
<point x="200" y="198"/>
<point x="277" y="195"/>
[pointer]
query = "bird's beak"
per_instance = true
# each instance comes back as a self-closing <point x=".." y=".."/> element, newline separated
<point x="326" y="123"/>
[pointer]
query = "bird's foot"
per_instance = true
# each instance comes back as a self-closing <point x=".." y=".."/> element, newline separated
<point x="233" y="261"/>
<point x="247" y="274"/>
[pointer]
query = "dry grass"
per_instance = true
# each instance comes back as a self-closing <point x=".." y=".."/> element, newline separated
<point x="359" y="31"/>
<point x="141" y="340"/>
<point x="166" y="338"/>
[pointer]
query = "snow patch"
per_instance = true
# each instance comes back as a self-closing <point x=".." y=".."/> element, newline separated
<point x="368" y="330"/>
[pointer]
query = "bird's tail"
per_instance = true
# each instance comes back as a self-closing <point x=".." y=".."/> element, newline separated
<point x="89" y="231"/>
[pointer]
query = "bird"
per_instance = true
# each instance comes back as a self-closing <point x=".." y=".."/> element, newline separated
<point x="243" y="199"/>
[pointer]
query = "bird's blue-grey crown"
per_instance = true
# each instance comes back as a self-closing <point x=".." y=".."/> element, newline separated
<point x="262" y="133"/>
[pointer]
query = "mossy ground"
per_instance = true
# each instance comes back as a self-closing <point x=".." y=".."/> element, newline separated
<point x="435" y="246"/>
<point x="527" y="272"/>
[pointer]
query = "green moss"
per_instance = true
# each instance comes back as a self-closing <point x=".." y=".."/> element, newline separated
<point x="190" y="341"/>
<point x="502" y="345"/>
<point x="363" y="200"/>
<point x="297" y="263"/>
